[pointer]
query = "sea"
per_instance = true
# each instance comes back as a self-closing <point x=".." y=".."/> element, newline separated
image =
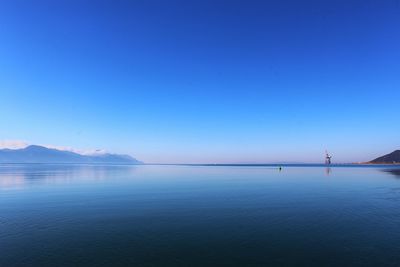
<point x="199" y="215"/>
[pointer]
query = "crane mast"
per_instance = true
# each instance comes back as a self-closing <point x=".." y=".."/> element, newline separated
<point x="327" y="158"/>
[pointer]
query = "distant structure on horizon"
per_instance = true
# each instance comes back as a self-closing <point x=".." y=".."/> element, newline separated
<point x="327" y="158"/>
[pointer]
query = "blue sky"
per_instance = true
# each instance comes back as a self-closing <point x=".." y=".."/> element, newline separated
<point x="203" y="81"/>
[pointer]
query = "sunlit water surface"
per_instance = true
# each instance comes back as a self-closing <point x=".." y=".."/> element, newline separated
<point x="79" y="215"/>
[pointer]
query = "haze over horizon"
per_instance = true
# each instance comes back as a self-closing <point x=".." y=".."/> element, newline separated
<point x="202" y="81"/>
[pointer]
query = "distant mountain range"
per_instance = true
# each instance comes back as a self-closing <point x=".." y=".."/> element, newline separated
<point x="390" y="158"/>
<point x="40" y="154"/>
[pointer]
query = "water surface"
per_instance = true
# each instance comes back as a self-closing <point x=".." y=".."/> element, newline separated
<point x="81" y="215"/>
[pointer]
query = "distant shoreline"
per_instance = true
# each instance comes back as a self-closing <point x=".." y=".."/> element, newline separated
<point x="363" y="164"/>
<point x="382" y="163"/>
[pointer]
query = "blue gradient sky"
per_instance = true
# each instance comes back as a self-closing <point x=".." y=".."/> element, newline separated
<point x="203" y="81"/>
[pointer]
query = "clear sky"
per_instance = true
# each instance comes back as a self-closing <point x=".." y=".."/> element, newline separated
<point x="203" y="81"/>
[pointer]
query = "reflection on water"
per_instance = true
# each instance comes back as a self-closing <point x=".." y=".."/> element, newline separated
<point x="395" y="171"/>
<point x="328" y="171"/>
<point x="20" y="175"/>
<point x="83" y="215"/>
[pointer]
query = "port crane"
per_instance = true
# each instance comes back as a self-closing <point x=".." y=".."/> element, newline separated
<point x="327" y="158"/>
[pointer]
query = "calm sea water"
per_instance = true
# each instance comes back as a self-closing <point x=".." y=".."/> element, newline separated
<point x="55" y="215"/>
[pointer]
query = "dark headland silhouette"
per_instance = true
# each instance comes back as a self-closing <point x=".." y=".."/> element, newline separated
<point x="391" y="158"/>
<point x="40" y="154"/>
